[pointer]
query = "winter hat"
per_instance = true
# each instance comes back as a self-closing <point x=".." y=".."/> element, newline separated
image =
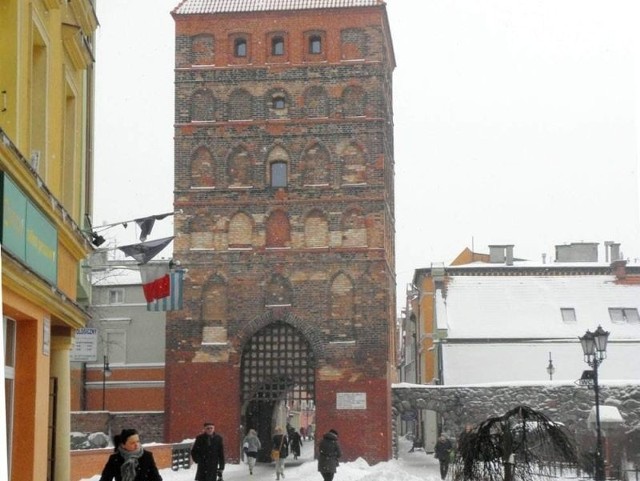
<point x="333" y="431"/>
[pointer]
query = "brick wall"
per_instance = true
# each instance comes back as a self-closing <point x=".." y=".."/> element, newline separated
<point x="320" y="247"/>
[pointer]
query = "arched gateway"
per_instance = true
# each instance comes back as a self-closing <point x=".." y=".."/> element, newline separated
<point x="277" y="376"/>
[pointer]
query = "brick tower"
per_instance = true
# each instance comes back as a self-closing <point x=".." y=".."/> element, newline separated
<point x="284" y="176"/>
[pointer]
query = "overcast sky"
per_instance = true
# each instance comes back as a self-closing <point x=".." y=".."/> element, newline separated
<point x="515" y="123"/>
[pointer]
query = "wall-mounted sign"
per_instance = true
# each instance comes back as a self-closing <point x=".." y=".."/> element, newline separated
<point x="85" y="347"/>
<point x="27" y="233"/>
<point x="351" y="400"/>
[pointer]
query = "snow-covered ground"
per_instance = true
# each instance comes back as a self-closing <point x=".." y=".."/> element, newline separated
<point x="416" y="466"/>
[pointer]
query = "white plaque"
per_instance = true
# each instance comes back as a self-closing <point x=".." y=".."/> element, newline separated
<point x="351" y="400"/>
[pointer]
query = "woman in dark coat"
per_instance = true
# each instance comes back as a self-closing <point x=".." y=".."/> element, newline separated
<point x="130" y="462"/>
<point x="329" y="453"/>
<point x="295" y="440"/>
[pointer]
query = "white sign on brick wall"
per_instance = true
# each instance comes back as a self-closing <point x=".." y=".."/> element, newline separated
<point x="351" y="400"/>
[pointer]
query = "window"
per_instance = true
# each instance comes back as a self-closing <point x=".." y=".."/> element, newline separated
<point x="624" y="314"/>
<point x="279" y="174"/>
<point x="277" y="46"/>
<point x="568" y="314"/>
<point x="116" y="296"/>
<point x="278" y="102"/>
<point x="315" y="44"/>
<point x="240" y="47"/>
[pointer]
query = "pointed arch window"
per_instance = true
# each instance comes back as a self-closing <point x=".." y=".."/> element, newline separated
<point x="278" y="174"/>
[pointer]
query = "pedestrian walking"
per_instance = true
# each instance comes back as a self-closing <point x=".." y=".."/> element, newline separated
<point x="328" y="454"/>
<point x="443" y="449"/>
<point x="279" y="451"/>
<point x="295" y="441"/>
<point x="130" y="461"/>
<point x="208" y="453"/>
<point x="251" y="445"/>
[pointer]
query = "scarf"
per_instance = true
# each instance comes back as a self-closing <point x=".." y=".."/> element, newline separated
<point x="128" y="468"/>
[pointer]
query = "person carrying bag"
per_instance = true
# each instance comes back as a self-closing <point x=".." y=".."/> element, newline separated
<point x="278" y="455"/>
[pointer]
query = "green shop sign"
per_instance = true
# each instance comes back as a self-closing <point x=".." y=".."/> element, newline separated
<point x="27" y="233"/>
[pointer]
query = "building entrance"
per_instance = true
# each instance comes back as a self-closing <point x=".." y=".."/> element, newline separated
<point x="278" y="381"/>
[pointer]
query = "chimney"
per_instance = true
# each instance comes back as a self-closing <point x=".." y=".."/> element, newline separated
<point x="577" y="252"/>
<point x="501" y="253"/>
<point x="615" y="251"/>
<point x="619" y="269"/>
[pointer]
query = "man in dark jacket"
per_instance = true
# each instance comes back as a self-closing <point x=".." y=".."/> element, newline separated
<point x="208" y="453"/>
<point x="443" y="449"/>
<point x="329" y="453"/>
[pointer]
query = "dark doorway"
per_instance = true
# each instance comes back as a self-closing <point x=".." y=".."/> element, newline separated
<point x="278" y="375"/>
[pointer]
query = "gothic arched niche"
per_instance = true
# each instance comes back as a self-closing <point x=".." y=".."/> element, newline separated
<point x="314" y="165"/>
<point x="278" y="291"/>
<point x="278" y="229"/>
<point x="354" y="165"/>
<point x="240" y="230"/>
<point x="202" y="106"/>
<point x="354" y="231"/>
<point x="239" y="167"/>
<point x="201" y="230"/>
<point x="342" y="298"/>
<point x="353" y="44"/>
<point x="202" y="174"/>
<point x="316" y="102"/>
<point x="214" y="300"/>
<point x="354" y="100"/>
<point x="240" y="105"/>
<point x="202" y="49"/>
<point x="316" y="229"/>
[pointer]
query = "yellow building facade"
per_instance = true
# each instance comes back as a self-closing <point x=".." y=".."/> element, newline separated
<point x="46" y="102"/>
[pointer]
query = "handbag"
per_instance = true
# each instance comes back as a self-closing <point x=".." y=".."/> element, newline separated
<point x="275" y="453"/>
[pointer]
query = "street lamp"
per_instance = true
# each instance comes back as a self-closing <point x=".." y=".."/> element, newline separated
<point x="550" y="368"/>
<point x="594" y="346"/>
<point x="106" y="372"/>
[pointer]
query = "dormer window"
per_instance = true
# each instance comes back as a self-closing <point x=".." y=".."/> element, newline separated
<point x="240" y="47"/>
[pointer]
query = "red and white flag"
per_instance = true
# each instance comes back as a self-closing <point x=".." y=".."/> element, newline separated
<point x="156" y="282"/>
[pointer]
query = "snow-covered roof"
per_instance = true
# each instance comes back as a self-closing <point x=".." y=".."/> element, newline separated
<point x="529" y="306"/>
<point x="116" y="277"/>
<point x="187" y="7"/>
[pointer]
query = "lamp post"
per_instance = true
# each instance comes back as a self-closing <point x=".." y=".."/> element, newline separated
<point x="550" y="368"/>
<point x="594" y="346"/>
<point x="106" y="372"/>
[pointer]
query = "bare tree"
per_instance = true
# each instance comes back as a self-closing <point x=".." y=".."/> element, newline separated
<point x="521" y="444"/>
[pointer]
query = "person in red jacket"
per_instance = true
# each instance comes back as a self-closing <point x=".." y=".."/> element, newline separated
<point x="130" y="462"/>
